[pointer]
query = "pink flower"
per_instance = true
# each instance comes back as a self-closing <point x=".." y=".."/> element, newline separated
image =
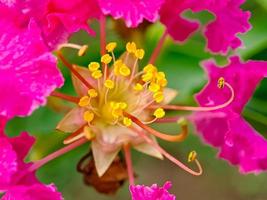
<point x="57" y="19"/>
<point x="28" y="72"/>
<point x="225" y="129"/>
<point x="154" y="192"/>
<point x="14" y="179"/>
<point x="221" y="33"/>
<point x="132" y="11"/>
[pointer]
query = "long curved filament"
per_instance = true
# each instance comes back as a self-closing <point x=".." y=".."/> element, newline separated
<point x="172" y="138"/>
<point x="170" y="157"/>
<point x="192" y="108"/>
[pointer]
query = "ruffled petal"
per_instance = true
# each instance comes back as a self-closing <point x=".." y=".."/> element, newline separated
<point x="221" y="33"/>
<point x="141" y="192"/>
<point x="133" y="12"/>
<point x="33" y="192"/>
<point x="28" y="72"/>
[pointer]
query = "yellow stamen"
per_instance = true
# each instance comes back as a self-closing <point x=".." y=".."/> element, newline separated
<point x="127" y="121"/>
<point x="88" y="116"/>
<point x="139" y="53"/>
<point x="97" y="74"/>
<point x="84" y="101"/>
<point x="92" y="93"/>
<point x="138" y="87"/>
<point x="106" y="59"/>
<point x="153" y="87"/>
<point x="158" y="97"/>
<point x="111" y="46"/>
<point x="124" y="70"/>
<point x="117" y="66"/>
<point x="192" y="156"/>
<point x="93" y="66"/>
<point x="221" y="82"/>
<point x="82" y="50"/>
<point x="159" y="113"/>
<point x="109" y="84"/>
<point x="147" y="77"/>
<point x="150" y="68"/>
<point x="131" y="47"/>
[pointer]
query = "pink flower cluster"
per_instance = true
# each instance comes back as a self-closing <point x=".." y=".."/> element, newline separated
<point x="31" y="30"/>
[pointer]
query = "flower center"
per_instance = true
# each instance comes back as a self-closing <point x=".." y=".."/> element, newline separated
<point x="123" y="90"/>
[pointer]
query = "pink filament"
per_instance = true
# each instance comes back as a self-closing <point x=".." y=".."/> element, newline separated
<point x="127" y="153"/>
<point x="170" y="157"/>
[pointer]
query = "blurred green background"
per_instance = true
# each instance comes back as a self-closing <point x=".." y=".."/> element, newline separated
<point x="180" y="62"/>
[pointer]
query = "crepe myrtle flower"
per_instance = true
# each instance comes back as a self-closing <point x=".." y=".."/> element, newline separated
<point x="17" y="180"/>
<point x="237" y="141"/>
<point x="115" y="105"/>
<point x="141" y="192"/>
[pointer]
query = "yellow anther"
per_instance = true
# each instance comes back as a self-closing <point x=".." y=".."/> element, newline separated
<point x="92" y="93"/>
<point x="124" y="70"/>
<point x="106" y="59"/>
<point x="88" y="116"/>
<point x="117" y="112"/>
<point x="139" y="53"/>
<point x="162" y="82"/>
<point x="88" y="133"/>
<point x="111" y="46"/>
<point x="93" y="66"/>
<point x="127" y="121"/>
<point x="84" y="101"/>
<point x="147" y="77"/>
<point x="117" y="66"/>
<point x="192" y="156"/>
<point x="138" y="87"/>
<point x="221" y="82"/>
<point x="160" y="75"/>
<point x="109" y="84"/>
<point x="97" y="74"/>
<point x="131" y="47"/>
<point x="82" y="50"/>
<point x="150" y="68"/>
<point x="158" y="97"/>
<point x="123" y="105"/>
<point x="153" y="87"/>
<point x="159" y="113"/>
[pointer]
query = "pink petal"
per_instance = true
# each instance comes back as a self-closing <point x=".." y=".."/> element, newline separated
<point x="33" y="192"/>
<point x="221" y="33"/>
<point x="225" y="129"/>
<point x="28" y="72"/>
<point x="133" y="12"/>
<point x="142" y="192"/>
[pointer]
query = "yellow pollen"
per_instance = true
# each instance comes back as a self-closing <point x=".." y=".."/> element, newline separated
<point x="124" y="70"/>
<point x="221" y="82"/>
<point x="192" y="156"/>
<point x="147" y="77"/>
<point x="111" y="46"/>
<point x="162" y="82"/>
<point x="97" y="74"/>
<point x="150" y="68"/>
<point x="159" y="113"/>
<point x="109" y="84"/>
<point x="93" y="66"/>
<point x="153" y="87"/>
<point x="158" y="97"/>
<point x="88" y="133"/>
<point x="123" y="105"/>
<point x="138" y="87"/>
<point x="88" y="116"/>
<point x="82" y="50"/>
<point x="131" y="47"/>
<point x="127" y="121"/>
<point x="92" y="93"/>
<point x="117" y="66"/>
<point x="139" y="53"/>
<point x="84" y="101"/>
<point x="106" y="59"/>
